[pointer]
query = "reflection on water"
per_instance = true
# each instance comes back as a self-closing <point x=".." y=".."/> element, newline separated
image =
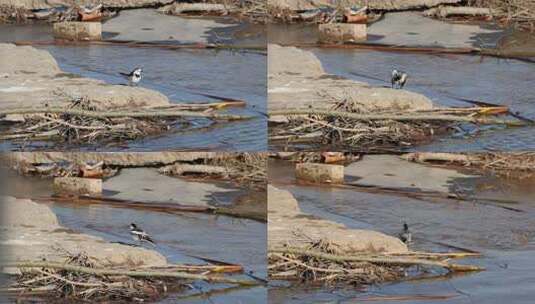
<point x="181" y="75"/>
<point x="506" y="239"/>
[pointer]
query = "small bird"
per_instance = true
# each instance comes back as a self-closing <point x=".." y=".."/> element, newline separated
<point x="405" y="236"/>
<point x="134" y="77"/>
<point x="398" y="79"/>
<point x="139" y="235"/>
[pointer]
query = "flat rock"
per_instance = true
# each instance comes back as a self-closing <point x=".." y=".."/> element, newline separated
<point x="288" y="225"/>
<point x="35" y="79"/>
<point x="32" y="233"/>
<point x="296" y="79"/>
<point x="148" y="25"/>
<point x="392" y="171"/>
<point x="413" y="29"/>
<point x="131" y="184"/>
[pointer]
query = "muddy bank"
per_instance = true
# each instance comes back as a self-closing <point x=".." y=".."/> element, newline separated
<point x="32" y="232"/>
<point x="296" y="79"/>
<point x="32" y="78"/>
<point x="288" y="225"/>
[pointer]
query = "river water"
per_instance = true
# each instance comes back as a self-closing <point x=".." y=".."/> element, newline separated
<point x="180" y="75"/>
<point x="506" y="239"/>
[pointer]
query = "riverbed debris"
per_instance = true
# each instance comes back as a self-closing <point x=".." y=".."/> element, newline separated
<point x="83" y="278"/>
<point x="82" y="123"/>
<point x="506" y="164"/>
<point x="348" y="124"/>
<point x="322" y="261"/>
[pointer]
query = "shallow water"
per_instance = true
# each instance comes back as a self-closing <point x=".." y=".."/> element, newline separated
<point x="181" y="238"/>
<point x="180" y="75"/>
<point x="505" y="238"/>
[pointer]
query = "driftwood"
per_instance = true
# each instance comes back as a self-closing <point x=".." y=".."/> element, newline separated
<point x="446" y="11"/>
<point x="136" y="274"/>
<point x="379" y="259"/>
<point x="398" y="117"/>
<point x="124" y="113"/>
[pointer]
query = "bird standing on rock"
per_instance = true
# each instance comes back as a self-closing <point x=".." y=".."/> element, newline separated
<point x="139" y="235"/>
<point x="134" y="77"/>
<point x="405" y="236"/>
<point x="398" y="79"/>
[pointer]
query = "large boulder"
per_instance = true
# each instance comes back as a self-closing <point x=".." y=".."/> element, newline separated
<point x="296" y="79"/>
<point x="31" y="232"/>
<point x="31" y="78"/>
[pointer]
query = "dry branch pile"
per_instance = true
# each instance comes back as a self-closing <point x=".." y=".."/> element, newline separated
<point x="81" y="278"/>
<point x="62" y="283"/>
<point x="249" y="168"/>
<point x="83" y="129"/>
<point x="347" y="124"/>
<point x="508" y="164"/>
<point x="82" y="123"/>
<point x="520" y="13"/>
<point x="326" y="263"/>
<point x="244" y="167"/>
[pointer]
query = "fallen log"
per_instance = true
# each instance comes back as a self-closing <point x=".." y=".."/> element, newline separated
<point x="135" y="274"/>
<point x="123" y="113"/>
<point x="399" y="117"/>
<point x="182" y="169"/>
<point x="383" y="260"/>
<point x="446" y="11"/>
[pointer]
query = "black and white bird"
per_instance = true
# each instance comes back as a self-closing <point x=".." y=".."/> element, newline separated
<point x="399" y="79"/>
<point x="405" y="236"/>
<point x="139" y="235"/>
<point x="134" y="77"/>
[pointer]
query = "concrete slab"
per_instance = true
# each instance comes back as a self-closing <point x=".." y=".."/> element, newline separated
<point x="413" y="29"/>
<point x="392" y="171"/>
<point x="150" y="26"/>
<point x="132" y="184"/>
